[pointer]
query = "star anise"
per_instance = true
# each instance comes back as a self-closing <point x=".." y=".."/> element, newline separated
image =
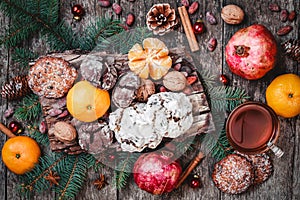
<point x="53" y="178"/>
<point x="101" y="182"/>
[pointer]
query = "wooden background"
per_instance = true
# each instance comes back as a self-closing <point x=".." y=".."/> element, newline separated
<point x="285" y="181"/>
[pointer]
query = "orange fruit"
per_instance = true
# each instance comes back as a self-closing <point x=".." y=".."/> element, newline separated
<point x="150" y="59"/>
<point x="283" y="95"/>
<point x="87" y="103"/>
<point x="20" y="154"/>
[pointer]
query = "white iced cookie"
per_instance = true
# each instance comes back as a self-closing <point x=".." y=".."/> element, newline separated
<point x="143" y="125"/>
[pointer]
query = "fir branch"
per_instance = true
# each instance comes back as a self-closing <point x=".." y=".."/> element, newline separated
<point x="98" y="31"/>
<point x="123" y="170"/>
<point x="29" y="109"/>
<point x="22" y="57"/>
<point x="31" y="17"/>
<point x="222" y="147"/>
<point x="184" y="146"/>
<point x="226" y="98"/>
<point x="34" y="180"/>
<point x="34" y="132"/>
<point x="72" y="177"/>
<point x="122" y="43"/>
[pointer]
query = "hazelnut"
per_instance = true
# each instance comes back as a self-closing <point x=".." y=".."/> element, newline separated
<point x="63" y="131"/>
<point x="232" y="14"/>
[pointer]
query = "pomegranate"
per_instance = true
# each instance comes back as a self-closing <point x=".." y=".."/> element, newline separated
<point x="251" y="52"/>
<point x="156" y="173"/>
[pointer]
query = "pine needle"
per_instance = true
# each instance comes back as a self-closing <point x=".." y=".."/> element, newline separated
<point x="124" y="169"/>
<point x="29" y="109"/>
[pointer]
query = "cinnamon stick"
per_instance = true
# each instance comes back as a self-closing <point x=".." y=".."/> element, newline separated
<point x="6" y="131"/>
<point x="188" y="29"/>
<point x="190" y="168"/>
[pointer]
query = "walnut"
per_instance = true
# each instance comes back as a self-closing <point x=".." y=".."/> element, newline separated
<point x="174" y="81"/>
<point x="161" y="18"/>
<point x="232" y="14"/>
<point x="145" y="90"/>
<point x="63" y="131"/>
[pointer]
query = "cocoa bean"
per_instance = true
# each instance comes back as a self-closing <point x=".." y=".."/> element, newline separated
<point x="117" y="8"/>
<point x="284" y="30"/>
<point x="130" y="19"/>
<point x="104" y="3"/>
<point x="210" y="17"/>
<point x="177" y="67"/>
<point x="212" y="43"/>
<point x="292" y="16"/>
<point x="284" y="15"/>
<point x="274" y="7"/>
<point x="193" y="8"/>
<point x="43" y="127"/>
<point x="9" y="112"/>
<point x="63" y="114"/>
<point x="54" y="112"/>
<point x="185" y="3"/>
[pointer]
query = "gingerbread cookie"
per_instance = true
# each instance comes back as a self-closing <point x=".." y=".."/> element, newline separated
<point x="234" y="174"/>
<point x="262" y="165"/>
<point x="51" y="77"/>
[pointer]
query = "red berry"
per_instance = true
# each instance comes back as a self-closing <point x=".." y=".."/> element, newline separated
<point x="198" y="27"/>
<point x="15" y="127"/>
<point x="195" y="182"/>
<point x="77" y="10"/>
<point x="224" y="79"/>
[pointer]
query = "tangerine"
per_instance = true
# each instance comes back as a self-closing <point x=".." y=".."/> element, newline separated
<point x="283" y="95"/>
<point x="20" y="154"/>
<point x="151" y="59"/>
<point x="87" y="103"/>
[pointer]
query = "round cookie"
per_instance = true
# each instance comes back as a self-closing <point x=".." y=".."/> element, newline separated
<point x="233" y="175"/>
<point x="51" y="77"/>
<point x="262" y="165"/>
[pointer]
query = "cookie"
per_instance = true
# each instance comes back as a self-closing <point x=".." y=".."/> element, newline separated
<point x="51" y="77"/>
<point x="263" y="167"/>
<point x="233" y="175"/>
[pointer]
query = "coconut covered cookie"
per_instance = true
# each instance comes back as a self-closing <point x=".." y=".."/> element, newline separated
<point x="144" y="125"/>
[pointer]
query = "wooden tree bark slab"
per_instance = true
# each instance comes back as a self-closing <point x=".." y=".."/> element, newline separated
<point x="283" y="184"/>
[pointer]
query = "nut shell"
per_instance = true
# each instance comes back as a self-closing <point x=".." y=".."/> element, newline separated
<point x="63" y="131"/>
<point x="145" y="90"/>
<point x="174" y="81"/>
<point x="232" y="14"/>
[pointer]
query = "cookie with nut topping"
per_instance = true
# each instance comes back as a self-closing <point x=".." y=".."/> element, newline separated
<point x="51" y="77"/>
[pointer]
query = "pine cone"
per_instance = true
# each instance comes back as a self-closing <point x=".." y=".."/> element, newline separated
<point x="161" y="19"/>
<point x="16" y="88"/>
<point x="292" y="49"/>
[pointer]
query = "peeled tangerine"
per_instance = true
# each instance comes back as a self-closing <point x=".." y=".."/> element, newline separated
<point x="251" y="52"/>
<point x="151" y="59"/>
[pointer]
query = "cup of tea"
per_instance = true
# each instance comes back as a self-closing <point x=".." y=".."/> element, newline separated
<point x="253" y="128"/>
